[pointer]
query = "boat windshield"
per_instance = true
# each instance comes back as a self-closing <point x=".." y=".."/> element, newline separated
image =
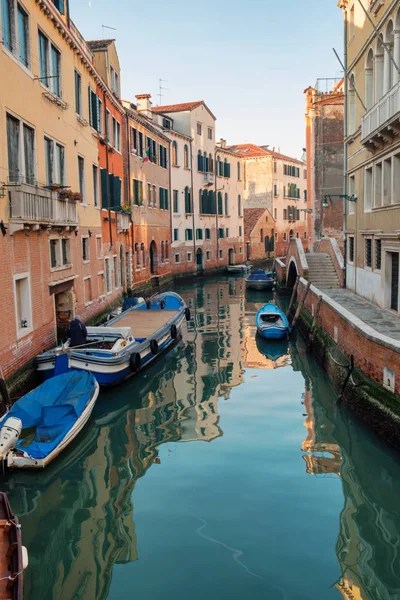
<point x="270" y="318"/>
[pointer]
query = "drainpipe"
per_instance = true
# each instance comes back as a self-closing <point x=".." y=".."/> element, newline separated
<point x="127" y="191"/>
<point x="108" y="177"/>
<point x="346" y="87"/>
<point x="192" y="199"/>
<point x="216" y="205"/>
<point x="171" y="201"/>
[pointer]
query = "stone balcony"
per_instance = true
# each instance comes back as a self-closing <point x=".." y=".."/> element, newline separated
<point x="382" y="122"/>
<point x="33" y="207"/>
<point x="123" y="222"/>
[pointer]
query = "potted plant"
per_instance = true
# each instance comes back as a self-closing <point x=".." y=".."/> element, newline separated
<point x="77" y="197"/>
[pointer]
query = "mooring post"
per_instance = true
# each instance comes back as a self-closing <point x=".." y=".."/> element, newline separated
<point x="292" y="299"/>
<point x="314" y="324"/>
<point x="301" y="304"/>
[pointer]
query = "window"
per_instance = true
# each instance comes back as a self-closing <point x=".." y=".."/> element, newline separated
<point x="16" y="39"/>
<point x="221" y="254"/>
<point x="95" y="185"/>
<point x="85" y="249"/>
<point x="59" y="4"/>
<point x="176" y="235"/>
<point x="99" y="246"/>
<point x="305" y="235"/>
<point x="285" y="214"/>
<point x="50" y="65"/>
<point x="352" y="183"/>
<point x="284" y="236"/>
<point x="199" y="234"/>
<point x="275" y="190"/>
<point x="7" y="9"/>
<point x="175" y="194"/>
<point x="55" y="162"/>
<point x="65" y="252"/>
<point x="275" y="166"/>
<point x="351" y="22"/>
<point x="117" y="134"/>
<point x="368" y="189"/>
<point x="276" y="237"/>
<point x="200" y="162"/>
<point x="188" y="201"/>
<point x="220" y="232"/>
<point x="351" y="249"/>
<point x="137" y="256"/>
<point x="305" y="195"/>
<point x="54" y="254"/>
<point x="291" y="171"/>
<point x="23" y="307"/>
<point x="101" y="283"/>
<point x="115" y="265"/>
<point x="163" y="193"/>
<point x="23" y="35"/>
<point x="149" y="201"/>
<point x="378" y="185"/>
<point x="114" y="83"/>
<point x="227" y="232"/>
<point x="275" y="213"/>
<point x="21" y="151"/>
<point x="81" y="176"/>
<point x="154" y="196"/>
<point x="227" y="169"/>
<point x="207" y="235"/>
<point x="240" y="231"/>
<point x="189" y="257"/>
<point x="108" y="121"/>
<point x="387" y="182"/>
<point x="162" y="251"/>
<point x="208" y="255"/>
<point x="87" y="290"/>
<point x="95" y="112"/>
<point x="174" y="154"/>
<point x="210" y="133"/>
<point x="198" y="128"/>
<point x="108" y="278"/>
<point x="368" y="252"/>
<point x="239" y="205"/>
<point x="186" y="156"/>
<point x="78" y="93"/>
<point x="226" y="202"/>
<point x="137" y="192"/>
<point x="219" y="203"/>
<point x="177" y="258"/>
<point x="378" y="254"/>
<point x="143" y="256"/>
<point x="166" y="123"/>
<point x="188" y="234"/>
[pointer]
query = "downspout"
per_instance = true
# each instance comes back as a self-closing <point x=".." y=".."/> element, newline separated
<point x="108" y="175"/>
<point x="128" y="189"/>
<point x="171" y="200"/>
<point x="192" y="198"/>
<point x="345" y="155"/>
<point x="216" y="205"/>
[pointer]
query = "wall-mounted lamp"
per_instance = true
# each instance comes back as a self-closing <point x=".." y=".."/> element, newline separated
<point x="328" y="198"/>
<point x="89" y="233"/>
<point x="3" y="228"/>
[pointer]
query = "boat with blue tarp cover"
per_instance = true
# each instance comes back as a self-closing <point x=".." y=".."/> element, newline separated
<point x="271" y="322"/>
<point x="125" y="344"/>
<point x="260" y="280"/>
<point x="42" y="423"/>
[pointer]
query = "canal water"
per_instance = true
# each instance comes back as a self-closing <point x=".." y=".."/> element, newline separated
<point x="224" y="471"/>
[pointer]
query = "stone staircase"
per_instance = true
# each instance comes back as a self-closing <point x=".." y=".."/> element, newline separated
<point x="321" y="271"/>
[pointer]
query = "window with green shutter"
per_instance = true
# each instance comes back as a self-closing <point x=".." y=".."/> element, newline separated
<point x="208" y="234"/>
<point x="188" y="235"/>
<point x="199" y="234"/>
<point x="220" y="232"/>
<point x="104" y="188"/>
<point x="220" y="203"/>
<point x="188" y="201"/>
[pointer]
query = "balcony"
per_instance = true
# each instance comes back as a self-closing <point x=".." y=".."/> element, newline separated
<point x="208" y="178"/>
<point x="123" y="222"/>
<point x="382" y="121"/>
<point x="33" y="207"/>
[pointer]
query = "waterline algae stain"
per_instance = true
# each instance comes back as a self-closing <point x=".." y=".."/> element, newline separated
<point x="225" y="470"/>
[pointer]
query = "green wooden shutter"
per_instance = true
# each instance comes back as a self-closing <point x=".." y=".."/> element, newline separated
<point x="166" y="199"/>
<point x="117" y="193"/>
<point x="104" y="188"/>
<point x="111" y="179"/>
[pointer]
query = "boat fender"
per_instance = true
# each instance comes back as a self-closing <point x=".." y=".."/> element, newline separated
<point x="162" y="304"/>
<point x="187" y="314"/>
<point x="135" y="362"/>
<point x="174" y="331"/>
<point x="154" y="346"/>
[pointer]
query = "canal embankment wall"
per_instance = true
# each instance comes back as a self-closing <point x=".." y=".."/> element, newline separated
<point x="339" y="339"/>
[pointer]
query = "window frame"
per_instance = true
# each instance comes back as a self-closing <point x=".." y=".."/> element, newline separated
<point x="82" y="178"/>
<point x="85" y="243"/>
<point x="23" y="331"/>
<point x="59" y="178"/>
<point x="21" y="155"/>
<point x="78" y="93"/>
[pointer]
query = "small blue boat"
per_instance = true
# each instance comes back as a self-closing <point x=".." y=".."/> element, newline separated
<point x="126" y="343"/>
<point x="44" y="422"/>
<point x="272" y="323"/>
<point x="260" y="280"/>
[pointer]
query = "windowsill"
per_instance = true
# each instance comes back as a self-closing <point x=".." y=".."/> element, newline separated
<point x="187" y="168"/>
<point x="86" y="262"/>
<point x="18" y="62"/>
<point x="81" y="120"/>
<point x="23" y="332"/>
<point x="176" y="166"/>
<point x="102" y="296"/>
<point x="378" y="208"/>
<point x="61" y="268"/>
<point x="88" y="303"/>
<point x="109" y="293"/>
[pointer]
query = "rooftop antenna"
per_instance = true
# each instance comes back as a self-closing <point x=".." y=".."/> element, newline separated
<point x="103" y="27"/>
<point x="161" y="88"/>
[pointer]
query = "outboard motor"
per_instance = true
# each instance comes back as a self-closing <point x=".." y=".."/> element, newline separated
<point x="9" y="435"/>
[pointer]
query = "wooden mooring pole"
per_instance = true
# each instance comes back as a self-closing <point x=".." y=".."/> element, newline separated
<point x="314" y="324"/>
<point x="292" y="299"/>
<point x="301" y="304"/>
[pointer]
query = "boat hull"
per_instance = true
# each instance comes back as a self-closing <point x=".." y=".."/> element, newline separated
<point x="260" y="284"/>
<point x="14" y="461"/>
<point x="237" y="269"/>
<point x="273" y="333"/>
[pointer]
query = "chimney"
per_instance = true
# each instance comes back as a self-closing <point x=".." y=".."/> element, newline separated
<point x="144" y="104"/>
<point x="221" y="143"/>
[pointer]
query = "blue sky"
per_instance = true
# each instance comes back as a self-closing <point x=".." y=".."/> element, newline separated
<point x="250" y="60"/>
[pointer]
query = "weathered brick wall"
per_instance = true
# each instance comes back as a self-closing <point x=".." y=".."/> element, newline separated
<point x="258" y="186"/>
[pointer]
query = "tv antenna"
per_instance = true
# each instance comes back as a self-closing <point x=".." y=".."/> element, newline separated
<point x="103" y="27"/>
<point x="161" y="88"/>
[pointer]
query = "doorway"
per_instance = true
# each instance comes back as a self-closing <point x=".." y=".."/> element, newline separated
<point x="394" y="282"/>
<point x="231" y="256"/>
<point x="65" y="311"/>
<point x="199" y="259"/>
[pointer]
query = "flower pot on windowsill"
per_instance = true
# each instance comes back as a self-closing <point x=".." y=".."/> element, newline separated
<point x="76" y="197"/>
<point x="65" y="195"/>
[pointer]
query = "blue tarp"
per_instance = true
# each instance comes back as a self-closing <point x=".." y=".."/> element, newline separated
<point x="52" y="409"/>
<point x="260" y="275"/>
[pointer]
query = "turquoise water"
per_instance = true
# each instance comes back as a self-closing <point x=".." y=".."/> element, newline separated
<point x="224" y="471"/>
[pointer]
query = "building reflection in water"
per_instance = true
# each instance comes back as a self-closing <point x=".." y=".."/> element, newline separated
<point x="367" y="547"/>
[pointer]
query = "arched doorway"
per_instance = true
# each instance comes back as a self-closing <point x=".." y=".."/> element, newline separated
<point x="292" y="274"/>
<point x="153" y="258"/>
<point x="199" y="259"/>
<point x="266" y="245"/>
<point x="291" y="233"/>
<point x="231" y="256"/>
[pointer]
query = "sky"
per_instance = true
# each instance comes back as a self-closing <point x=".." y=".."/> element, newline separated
<point x="249" y="60"/>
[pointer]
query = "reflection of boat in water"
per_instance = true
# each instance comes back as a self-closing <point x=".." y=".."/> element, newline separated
<point x="239" y="269"/>
<point x="273" y="349"/>
<point x="260" y="280"/>
<point x="13" y="555"/>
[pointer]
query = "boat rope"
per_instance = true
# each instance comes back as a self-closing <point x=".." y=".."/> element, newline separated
<point x="12" y="577"/>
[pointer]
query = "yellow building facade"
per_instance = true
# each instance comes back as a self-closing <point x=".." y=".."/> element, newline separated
<point x="372" y="43"/>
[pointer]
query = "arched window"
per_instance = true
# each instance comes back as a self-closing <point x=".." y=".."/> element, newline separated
<point x="220" y="212"/>
<point x="225" y="167"/>
<point x="175" y="154"/>
<point x="219" y="167"/>
<point x="369" y="80"/>
<point x="210" y="163"/>
<point x="188" y="201"/>
<point x="166" y="251"/>
<point x="143" y="256"/>
<point x="186" y="156"/>
<point x="352" y="105"/>
<point x="239" y="205"/>
<point x="226" y="205"/>
<point x="262" y="235"/>
<point x="200" y="162"/>
<point x="396" y="48"/>
<point x="137" y="256"/>
<point x="205" y="163"/>
<point x="388" y="65"/>
<point x="239" y="171"/>
<point x="291" y="233"/>
<point x="379" y="67"/>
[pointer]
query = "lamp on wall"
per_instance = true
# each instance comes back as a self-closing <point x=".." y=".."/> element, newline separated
<point x="3" y="228"/>
<point x="89" y="233"/>
<point x="328" y="198"/>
